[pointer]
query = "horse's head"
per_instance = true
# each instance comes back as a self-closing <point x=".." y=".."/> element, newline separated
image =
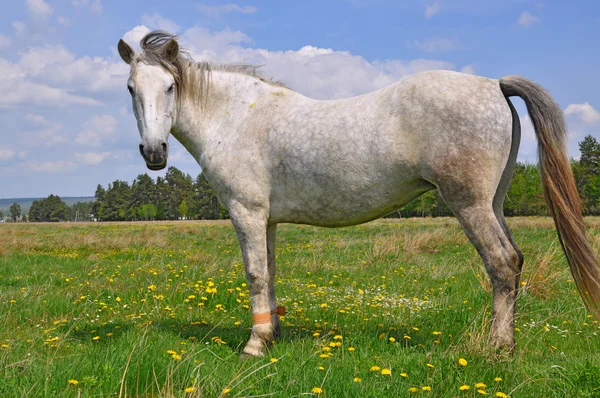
<point x="152" y="84"/>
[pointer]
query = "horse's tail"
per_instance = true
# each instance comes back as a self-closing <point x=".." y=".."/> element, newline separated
<point x="560" y="190"/>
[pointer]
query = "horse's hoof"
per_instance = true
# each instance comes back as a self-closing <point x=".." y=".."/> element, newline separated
<point x="254" y="349"/>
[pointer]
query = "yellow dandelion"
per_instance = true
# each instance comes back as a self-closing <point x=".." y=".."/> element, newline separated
<point x="274" y="360"/>
<point x="73" y="382"/>
<point x="500" y="394"/>
<point x="430" y="365"/>
<point x="462" y="362"/>
<point x="482" y="392"/>
<point x="171" y="352"/>
<point x="375" y="368"/>
<point x="176" y="357"/>
<point x="337" y="337"/>
<point x="96" y="338"/>
<point x="413" y="389"/>
<point x="437" y="333"/>
<point x="405" y="375"/>
<point x="480" y="385"/>
<point x="498" y="379"/>
<point x="426" y="388"/>
<point x="321" y="368"/>
<point x="464" y="387"/>
<point x="190" y="389"/>
<point x="386" y="372"/>
<point x="351" y="349"/>
<point x="393" y="340"/>
<point x="317" y="390"/>
<point x="227" y="391"/>
<point x="357" y="380"/>
<point x="406" y="337"/>
<point x="316" y="334"/>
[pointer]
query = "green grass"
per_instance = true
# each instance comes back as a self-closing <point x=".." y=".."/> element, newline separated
<point x="103" y="303"/>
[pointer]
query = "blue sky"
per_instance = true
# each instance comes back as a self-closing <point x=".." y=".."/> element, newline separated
<point x="66" y="114"/>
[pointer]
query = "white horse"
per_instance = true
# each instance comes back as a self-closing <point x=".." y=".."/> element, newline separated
<point x="275" y="156"/>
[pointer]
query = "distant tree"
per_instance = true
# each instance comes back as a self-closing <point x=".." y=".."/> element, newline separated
<point x="50" y="209"/>
<point x="147" y="212"/>
<point x="587" y="175"/>
<point x="183" y="209"/>
<point x="1" y="215"/>
<point x="56" y="208"/>
<point x="35" y="211"/>
<point x="180" y="188"/>
<point x="206" y="204"/>
<point x="15" y="211"/>
<point x="525" y="195"/>
<point x="143" y="191"/>
<point x="80" y="211"/>
<point x="98" y="206"/>
<point x="116" y="201"/>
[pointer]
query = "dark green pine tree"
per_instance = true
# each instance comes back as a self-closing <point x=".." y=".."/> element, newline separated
<point x="99" y="204"/>
<point x="587" y="176"/>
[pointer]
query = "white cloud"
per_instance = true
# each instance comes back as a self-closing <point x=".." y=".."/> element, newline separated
<point x="201" y="38"/>
<point x="5" y="42"/>
<point x="94" y="5"/>
<point x="19" y="27"/>
<point x="133" y="36"/>
<point x="431" y="10"/>
<point x="17" y="90"/>
<point x="434" y="44"/>
<point x="317" y="72"/>
<point x="97" y="130"/>
<point x="526" y="19"/>
<point x="56" y="167"/>
<point x="63" y="21"/>
<point x="42" y="132"/>
<point x="158" y="22"/>
<point x="58" y="66"/>
<point x="217" y="11"/>
<point x="6" y="154"/>
<point x="27" y="81"/>
<point x="470" y="69"/>
<point x="92" y="158"/>
<point x="39" y="9"/>
<point x="584" y="112"/>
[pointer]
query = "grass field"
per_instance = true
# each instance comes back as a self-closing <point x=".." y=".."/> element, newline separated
<point x="384" y="309"/>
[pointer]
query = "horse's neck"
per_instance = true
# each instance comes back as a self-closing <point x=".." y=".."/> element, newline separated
<point x="230" y="95"/>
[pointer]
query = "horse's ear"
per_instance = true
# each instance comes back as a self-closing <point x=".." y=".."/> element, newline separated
<point x="171" y="50"/>
<point x="125" y="51"/>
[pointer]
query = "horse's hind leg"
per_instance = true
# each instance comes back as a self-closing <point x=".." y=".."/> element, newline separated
<point x="479" y="221"/>
<point x="502" y="189"/>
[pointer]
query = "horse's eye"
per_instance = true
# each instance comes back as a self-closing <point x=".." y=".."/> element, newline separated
<point x="130" y="89"/>
<point x="171" y="88"/>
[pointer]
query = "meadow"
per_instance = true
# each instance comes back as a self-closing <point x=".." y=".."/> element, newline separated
<point x="393" y="308"/>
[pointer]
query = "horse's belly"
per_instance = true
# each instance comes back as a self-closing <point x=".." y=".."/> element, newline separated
<point x="337" y="205"/>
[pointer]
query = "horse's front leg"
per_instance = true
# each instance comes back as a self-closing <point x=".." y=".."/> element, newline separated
<point x="251" y="229"/>
<point x="275" y="309"/>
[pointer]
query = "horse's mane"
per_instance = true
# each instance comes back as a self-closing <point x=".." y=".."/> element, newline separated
<point x="191" y="78"/>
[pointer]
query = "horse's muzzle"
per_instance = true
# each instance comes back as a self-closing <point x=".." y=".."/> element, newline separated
<point x="155" y="156"/>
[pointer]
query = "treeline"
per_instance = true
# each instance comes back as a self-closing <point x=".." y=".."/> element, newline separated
<point x="179" y="196"/>
<point x="176" y="196"/>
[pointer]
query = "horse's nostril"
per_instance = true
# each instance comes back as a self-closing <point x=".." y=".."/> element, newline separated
<point x="164" y="146"/>
<point x="141" y="150"/>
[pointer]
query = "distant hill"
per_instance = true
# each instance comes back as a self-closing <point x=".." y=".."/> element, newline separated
<point x="25" y="203"/>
